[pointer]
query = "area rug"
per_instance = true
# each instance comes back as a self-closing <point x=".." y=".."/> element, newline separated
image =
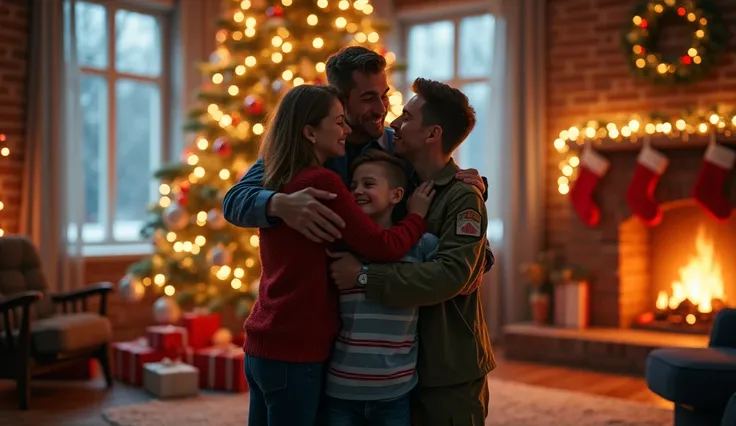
<point x="512" y="404"/>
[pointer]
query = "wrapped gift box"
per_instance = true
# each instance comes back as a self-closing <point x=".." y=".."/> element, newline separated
<point x="571" y="304"/>
<point x="200" y="328"/>
<point x="221" y="368"/>
<point x="129" y="360"/>
<point x="170" y="379"/>
<point x="168" y="339"/>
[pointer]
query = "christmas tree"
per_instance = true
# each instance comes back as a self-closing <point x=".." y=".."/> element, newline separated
<point x="264" y="47"/>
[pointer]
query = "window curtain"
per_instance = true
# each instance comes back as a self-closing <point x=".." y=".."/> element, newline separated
<point x="520" y="122"/>
<point x="53" y="203"/>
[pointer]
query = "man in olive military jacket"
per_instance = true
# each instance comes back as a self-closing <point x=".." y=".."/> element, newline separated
<point x="454" y="347"/>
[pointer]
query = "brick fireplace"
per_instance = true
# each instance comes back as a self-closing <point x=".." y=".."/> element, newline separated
<point x="631" y="263"/>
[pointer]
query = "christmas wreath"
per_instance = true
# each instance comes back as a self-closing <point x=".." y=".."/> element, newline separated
<point x="640" y="40"/>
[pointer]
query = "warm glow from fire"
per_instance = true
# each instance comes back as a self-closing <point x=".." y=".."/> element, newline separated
<point x="700" y="280"/>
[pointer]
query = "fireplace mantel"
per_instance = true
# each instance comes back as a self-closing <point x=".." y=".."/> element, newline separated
<point x="661" y="142"/>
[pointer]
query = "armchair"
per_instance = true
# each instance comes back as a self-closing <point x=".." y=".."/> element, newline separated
<point x="40" y="332"/>
<point x="700" y="381"/>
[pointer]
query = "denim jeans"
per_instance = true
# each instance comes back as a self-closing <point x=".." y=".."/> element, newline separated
<point x="283" y="393"/>
<point x="343" y="412"/>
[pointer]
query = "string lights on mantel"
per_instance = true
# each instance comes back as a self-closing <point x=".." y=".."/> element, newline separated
<point x="632" y="131"/>
<point x="4" y="152"/>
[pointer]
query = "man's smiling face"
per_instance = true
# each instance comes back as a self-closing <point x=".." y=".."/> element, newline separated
<point x="410" y="134"/>
<point x="367" y="105"/>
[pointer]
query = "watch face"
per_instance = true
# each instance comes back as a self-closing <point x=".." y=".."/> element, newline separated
<point x="363" y="279"/>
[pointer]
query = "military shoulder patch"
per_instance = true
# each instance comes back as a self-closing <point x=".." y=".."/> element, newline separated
<point x="467" y="223"/>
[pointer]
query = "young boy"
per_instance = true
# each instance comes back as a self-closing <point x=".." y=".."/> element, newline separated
<point x="373" y="365"/>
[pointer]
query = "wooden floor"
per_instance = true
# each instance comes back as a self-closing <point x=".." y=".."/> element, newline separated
<point x="81" y="404"/>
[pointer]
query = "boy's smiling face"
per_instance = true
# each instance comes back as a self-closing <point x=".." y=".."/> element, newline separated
<point x="373" y="191"/>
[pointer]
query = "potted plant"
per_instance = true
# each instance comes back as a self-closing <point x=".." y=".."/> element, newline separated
<point x="538" y="276"/>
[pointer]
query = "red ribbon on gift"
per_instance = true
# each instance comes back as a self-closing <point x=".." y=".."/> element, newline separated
<point x="221" y="368"/>
<point x="129" y="360"/>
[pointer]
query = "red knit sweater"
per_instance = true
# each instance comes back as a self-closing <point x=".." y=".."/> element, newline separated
<point x="295" y="317"/>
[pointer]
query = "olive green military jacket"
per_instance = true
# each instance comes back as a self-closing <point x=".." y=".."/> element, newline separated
<point x="454" y="346"/>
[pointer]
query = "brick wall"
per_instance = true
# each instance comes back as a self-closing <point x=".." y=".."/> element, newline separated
<point x="13" y="63"/>
<point x="588" y="78"/>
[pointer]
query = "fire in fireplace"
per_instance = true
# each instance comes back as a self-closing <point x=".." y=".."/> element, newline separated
<point x="695" y="297"/>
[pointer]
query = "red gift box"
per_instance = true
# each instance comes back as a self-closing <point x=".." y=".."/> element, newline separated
<point x="168" y="339"/>
<point x="129" y="360"/>
<point x="200" y="328"/>
<point x="221" y="368"/>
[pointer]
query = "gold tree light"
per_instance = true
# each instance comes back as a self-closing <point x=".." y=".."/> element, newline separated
<point x="263" y="49"/>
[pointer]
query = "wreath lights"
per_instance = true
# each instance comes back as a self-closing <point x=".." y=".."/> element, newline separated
<point x="709" y="36"/>
<point x="631" y="131"/>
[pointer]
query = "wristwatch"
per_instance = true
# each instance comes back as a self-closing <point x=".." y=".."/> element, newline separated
<point x="363" y="276"/>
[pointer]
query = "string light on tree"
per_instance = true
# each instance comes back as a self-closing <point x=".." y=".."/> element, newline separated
<point x="632" y="131"/>
<point x="264" y="47"/>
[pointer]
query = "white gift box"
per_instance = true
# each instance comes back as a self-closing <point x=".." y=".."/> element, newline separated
<point x="571" y="304"/>
<point x="169" y="379"/>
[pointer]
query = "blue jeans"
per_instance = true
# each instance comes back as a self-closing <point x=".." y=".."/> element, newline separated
<point x="283" y="393"/>
<point x="344" y="412"/>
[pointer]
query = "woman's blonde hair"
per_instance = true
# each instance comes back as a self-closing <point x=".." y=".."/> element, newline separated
<point x="284" y="149"/>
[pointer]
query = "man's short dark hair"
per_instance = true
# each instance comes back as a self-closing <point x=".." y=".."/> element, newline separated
<point x="393" y="166"/>
<point x="448" y="108"/>
<point x="341" y="65"/>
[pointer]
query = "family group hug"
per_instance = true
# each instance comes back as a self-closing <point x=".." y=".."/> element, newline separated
<point x="373" y="248"/>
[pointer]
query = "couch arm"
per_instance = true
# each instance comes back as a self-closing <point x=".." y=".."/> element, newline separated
<point x="72" y="299"/>
<point x="9" y="314"/>
<point x="723" y="333"/>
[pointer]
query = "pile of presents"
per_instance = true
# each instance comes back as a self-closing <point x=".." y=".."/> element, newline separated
<point x="178" y="361"/>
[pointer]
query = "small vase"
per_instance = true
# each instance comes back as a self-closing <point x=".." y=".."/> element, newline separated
<point x="540" y="307"/>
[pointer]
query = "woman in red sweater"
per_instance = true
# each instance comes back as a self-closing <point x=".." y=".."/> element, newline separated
<point x="295" y="318"/>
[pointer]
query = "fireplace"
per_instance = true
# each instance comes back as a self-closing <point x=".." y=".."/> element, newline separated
<point x="670" y="277"/>
<point x="684" y="263"/>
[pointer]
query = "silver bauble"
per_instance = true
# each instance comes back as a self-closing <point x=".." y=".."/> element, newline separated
<point x="131" y="288"/>
<point x="176" y="217"/>
<point x="220" y="256"/>
<point x="216" y="220"/>
<point x="166" y="310"/>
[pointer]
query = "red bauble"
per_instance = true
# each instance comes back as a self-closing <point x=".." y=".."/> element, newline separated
<point x="182" y="198"/>
<point x="275" y="12"/>
<point x="222" y="147"/>
<point x="254" y="105"/>
<point x="184" y="186"/>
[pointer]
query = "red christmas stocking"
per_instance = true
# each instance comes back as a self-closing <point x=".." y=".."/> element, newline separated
<point x="708" y="191"/>
<point x="640" y="195"/>
<point x="592" y="168"/>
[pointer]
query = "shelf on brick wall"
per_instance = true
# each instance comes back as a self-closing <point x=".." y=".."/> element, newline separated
<point x="660" y="142"/>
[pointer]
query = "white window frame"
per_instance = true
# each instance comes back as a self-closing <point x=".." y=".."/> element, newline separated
<point x="455" y="13"/>
<point x="107" y="245"/>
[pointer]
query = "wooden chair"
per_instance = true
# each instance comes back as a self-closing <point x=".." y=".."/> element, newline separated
<point x="41" y="332"/>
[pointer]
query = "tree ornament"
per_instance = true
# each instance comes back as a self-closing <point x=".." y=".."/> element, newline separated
<point x="175" y="217"/>
<point x="593" y="167"/>
<point x="253" y="104"/>
<point x="182" y="198"/>
<point x="709" y="186"/>
<point x="640" y="40"/>
<point x="275" y="12"/>
<point x="222" y="338"/>
<point x="166" y="310"/>
<point x="131" y="288"/>
<point x="220" y="256"/>
<point x="184" y="186"/>
<point x="222" y="146"/>
<point x="216" y="220"/>
<point x="650" y="165"/>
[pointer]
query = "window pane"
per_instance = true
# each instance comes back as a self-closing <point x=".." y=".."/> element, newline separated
<point x="430" y="49"/>
<point x="93" y="102"/>
<point x="476" y="46"/>
<point x="137" y="43"/>
<point x="137" y="153"/>
<point x="481" y="153"/>
<point x="91" y="35"/>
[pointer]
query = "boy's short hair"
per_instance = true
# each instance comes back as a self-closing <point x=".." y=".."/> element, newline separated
<point x="394" y="167"/>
